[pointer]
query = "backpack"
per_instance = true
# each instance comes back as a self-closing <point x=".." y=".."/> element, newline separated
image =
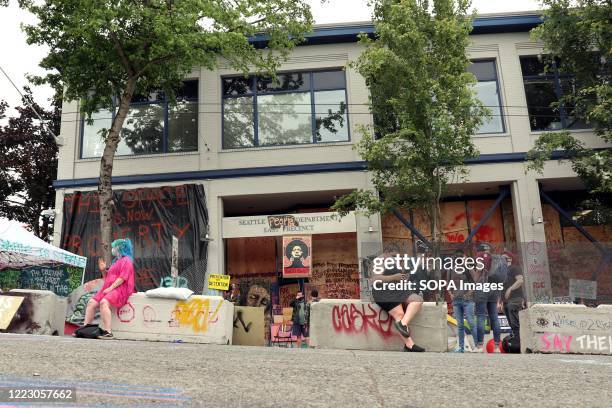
<point x="498" y="272"/>
<point x="511" y="344"/>
<point x="89" y="331"/>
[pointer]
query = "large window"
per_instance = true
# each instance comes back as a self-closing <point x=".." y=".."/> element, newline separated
<point x="546" y="85"/>
<point x="294" y="108"/>
<point x="153" y="125"/>
<point x="487" y="90"/>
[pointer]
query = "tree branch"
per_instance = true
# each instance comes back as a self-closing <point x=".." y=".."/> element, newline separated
<point x="124" y="59"/>
<point x="153" y="62"/>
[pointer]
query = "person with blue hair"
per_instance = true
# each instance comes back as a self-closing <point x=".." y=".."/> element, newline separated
<point x="117" y="288"/>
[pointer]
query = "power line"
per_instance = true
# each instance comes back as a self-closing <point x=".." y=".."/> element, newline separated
<point x="31" y="107"/>
<point x="320" y="104"/>
<point x="251" y="113"/>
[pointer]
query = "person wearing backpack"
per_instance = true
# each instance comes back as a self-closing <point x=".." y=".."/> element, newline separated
<point x="118" y="286"/>
<point x="300" y="318"/>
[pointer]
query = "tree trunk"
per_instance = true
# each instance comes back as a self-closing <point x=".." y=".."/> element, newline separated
<point x="105" y="189"/>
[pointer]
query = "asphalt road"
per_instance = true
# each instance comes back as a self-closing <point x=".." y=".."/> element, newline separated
<point x="130" y="373"/>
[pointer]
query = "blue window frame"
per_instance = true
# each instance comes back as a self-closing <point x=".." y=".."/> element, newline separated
<point x="488" y="91"/>
<point x="153" y="125"/>
<point x="545" y="86"/>
<point x="293" y="108"/>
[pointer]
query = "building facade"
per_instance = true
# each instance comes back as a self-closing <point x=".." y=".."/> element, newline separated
<point x="260" y="148"/>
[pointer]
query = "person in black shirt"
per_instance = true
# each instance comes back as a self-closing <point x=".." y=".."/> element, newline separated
<point x="401" y="304"/>
<point x="513" y="298"/>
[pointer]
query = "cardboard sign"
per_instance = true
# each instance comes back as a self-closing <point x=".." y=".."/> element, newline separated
<point x="8" y="308"/>
<point x="218" y="282"/>
<point x="249" y="327"/>
<point x="297" y="256"/>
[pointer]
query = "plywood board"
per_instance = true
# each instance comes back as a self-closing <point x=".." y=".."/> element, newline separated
<point x="250" y="256"/>
<point x="8" y="308"/>
<point x="335" y="270"/>
<point x="493" y="230"/>
<point x="552" y="225"/>
<point x="392" y="227"/>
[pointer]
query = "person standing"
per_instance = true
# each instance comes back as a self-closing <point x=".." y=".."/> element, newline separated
<point x="486" y="301"/>
<point x="463" y="306"/>
<point x="300" y="318"/>
<point x="234" y="294"/>
<point x="314" y="296"/>
<point x="117" y="288"/>
<point x="514" y="299"/>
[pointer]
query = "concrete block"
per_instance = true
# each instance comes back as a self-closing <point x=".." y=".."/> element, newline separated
<point x="357" y="325"/>
<point x="42" y="312"/>
<point x="200" y="319"/>
<point x="573" y="329"/>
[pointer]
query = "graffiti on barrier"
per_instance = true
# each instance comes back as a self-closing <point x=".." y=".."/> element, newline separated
<point x="361" y="319"/>
<point x="555" y="342"/>
<point x="195" y="313"/>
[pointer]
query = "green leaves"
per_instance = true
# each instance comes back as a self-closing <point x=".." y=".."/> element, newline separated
<point x="96" y="46"/>
<point x="579" y="36"/>
<point x="425" y="110"/>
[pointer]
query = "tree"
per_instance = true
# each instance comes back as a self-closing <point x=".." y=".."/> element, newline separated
<point x="424" y="106"/>
<point x="104" y="52"/>
<point x="577" y="38"/>
<point x="29" y="163"/>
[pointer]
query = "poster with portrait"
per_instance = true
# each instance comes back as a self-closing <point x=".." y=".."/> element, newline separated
<point x="297" y="256"/>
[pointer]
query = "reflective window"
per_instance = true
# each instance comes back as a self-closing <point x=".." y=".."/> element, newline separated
<point x="545" y="86"/>
<point x="487" y="90"/>
<point x="153" y="125"/>
<point x="284" y="119"/>
<point x="331" y="116"/>
<point x="294" y="108"/>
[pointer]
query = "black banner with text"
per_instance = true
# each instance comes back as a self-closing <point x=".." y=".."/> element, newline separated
<point x="149" y="217"/>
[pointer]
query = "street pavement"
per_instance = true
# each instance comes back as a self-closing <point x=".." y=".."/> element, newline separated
<point x="149" y="374"/>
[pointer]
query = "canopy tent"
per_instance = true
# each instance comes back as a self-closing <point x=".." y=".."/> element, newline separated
<point x="20" y="248"/>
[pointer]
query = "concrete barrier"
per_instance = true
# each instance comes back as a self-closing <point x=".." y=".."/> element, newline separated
<point x="200" y="319"/>
<point x="357" y="325"/>
<point x="566" y="329"/>
<point x="41" y="312"/>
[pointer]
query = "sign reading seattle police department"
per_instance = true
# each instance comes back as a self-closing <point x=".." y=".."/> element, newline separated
<point x="277" y="225"/>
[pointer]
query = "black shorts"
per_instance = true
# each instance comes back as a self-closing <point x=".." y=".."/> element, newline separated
<point x="299" y="330"/>
<point x="385" y="304"/>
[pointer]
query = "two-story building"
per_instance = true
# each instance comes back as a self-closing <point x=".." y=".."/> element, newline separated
<point x="245" y="149"/>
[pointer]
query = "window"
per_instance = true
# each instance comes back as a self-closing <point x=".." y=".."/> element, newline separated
<point x="153" y="125"/>
<point x="294" y="108"/>
<point x="545" y="86"/>
<point x="487" y="90"/>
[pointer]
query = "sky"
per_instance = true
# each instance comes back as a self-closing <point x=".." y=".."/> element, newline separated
<point x="19" y="59"/>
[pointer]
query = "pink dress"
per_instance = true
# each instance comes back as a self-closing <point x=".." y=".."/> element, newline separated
<point x="118" y="297"/>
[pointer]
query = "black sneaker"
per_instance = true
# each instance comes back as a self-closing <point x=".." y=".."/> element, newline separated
<point x="105" y="335"/>
<point x="414" y="349"/>
<point x="404" y="330"/>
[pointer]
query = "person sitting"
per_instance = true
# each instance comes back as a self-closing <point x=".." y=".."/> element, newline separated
<point x="402" y="305"/>
<point x="117" y="288"/>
